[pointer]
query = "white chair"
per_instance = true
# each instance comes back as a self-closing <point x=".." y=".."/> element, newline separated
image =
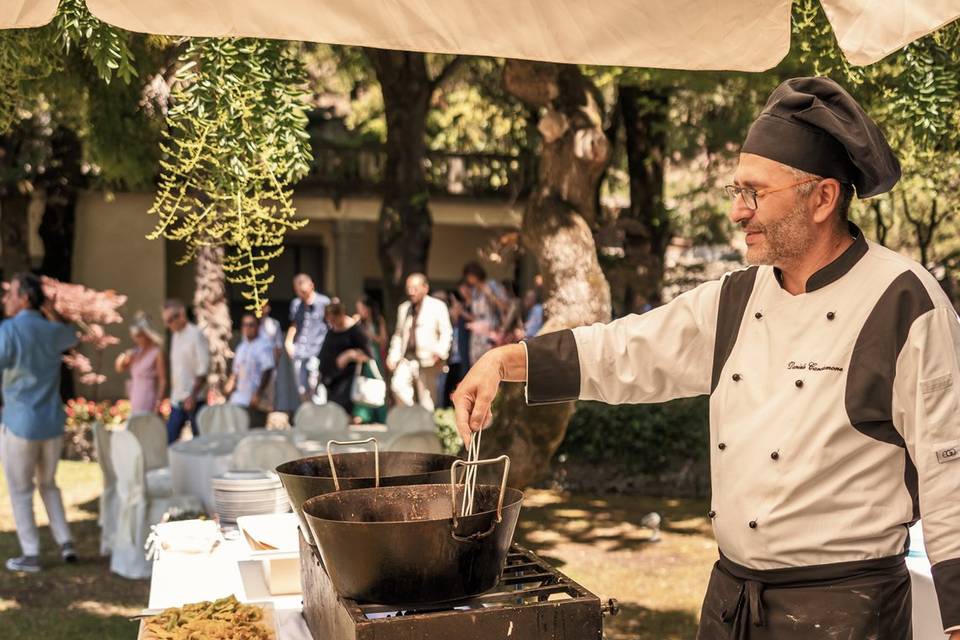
<point x="137" y="510"/>
<point x="321" y="419"/>
<point x="222" y="418"/>
<point x="409" y="419"/>
<point x="263" y="452"/>
<point x="108" y="497"/>
<point x="418" y="442"/>
<point x="151" y="431"/>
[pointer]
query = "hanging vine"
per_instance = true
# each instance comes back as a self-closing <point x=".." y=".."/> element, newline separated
<point x="235" y="144"/>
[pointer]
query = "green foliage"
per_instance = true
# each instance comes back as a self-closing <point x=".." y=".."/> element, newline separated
<point x="106" y="46"/>
<point x="470" y="123"/>
<point x="344" y="86"/>
<point x="926" y="94"/>
<point x="26" y="152"/>
<point x="648" y="438"/>
<point x="474" y="114"/>
<point x="26" y="56"/>
<point x="122" y="122"/>
<point x="815" y="50"/>
<point x="446" y="422"/>
<point x="236" y="143"/>
<point x="59" y="76"/>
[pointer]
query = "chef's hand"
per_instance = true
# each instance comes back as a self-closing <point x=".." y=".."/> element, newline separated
<point x="475" y="394"/>
<point x="955" y="635"/>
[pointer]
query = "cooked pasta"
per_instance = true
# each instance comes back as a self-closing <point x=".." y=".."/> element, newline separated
<point x="223" y="619"/>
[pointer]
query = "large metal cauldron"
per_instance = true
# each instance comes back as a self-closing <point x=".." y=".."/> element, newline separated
<point x="308" y="477"/>
<point x="408" y="545"/>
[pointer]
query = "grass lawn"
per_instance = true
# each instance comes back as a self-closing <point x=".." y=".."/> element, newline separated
<point x="67" y="601"/>
<point x="597" y="541"/>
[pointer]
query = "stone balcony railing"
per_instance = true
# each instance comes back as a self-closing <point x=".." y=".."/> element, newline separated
<point x="340" y="171"/>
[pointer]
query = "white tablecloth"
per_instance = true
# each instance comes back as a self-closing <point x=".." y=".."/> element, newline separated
<point x="195" y="463"/>
<point x="180" y="579"/>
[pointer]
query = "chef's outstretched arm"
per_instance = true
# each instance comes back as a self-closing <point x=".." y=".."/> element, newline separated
<point x="666" y="353"/>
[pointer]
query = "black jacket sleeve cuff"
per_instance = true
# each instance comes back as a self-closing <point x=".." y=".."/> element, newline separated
<point x="553" y="368"/>
<point x="946" y="580"/>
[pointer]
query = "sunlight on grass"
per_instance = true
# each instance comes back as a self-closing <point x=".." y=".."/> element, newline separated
<point x="542" y="498"/>
<point x="659" y="585"/>
<point x="79" y="482"/>
<point x="6" y="605"/>
<point x="104" y="609"/>
<point x="66" y="602"/>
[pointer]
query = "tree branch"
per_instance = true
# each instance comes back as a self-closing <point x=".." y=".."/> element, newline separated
<point x="880" y="221"/>
<point x="446" y="72"/>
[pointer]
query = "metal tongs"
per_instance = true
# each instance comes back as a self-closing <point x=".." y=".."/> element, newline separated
<point x="470" y="476"/>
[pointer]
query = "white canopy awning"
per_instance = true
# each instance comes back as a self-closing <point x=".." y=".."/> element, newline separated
<point x="747" y="35"/>
<point x="16" y="14"/>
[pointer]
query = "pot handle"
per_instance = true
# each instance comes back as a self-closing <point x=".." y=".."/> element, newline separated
<point x="453" y="494"/>
<point x="376" y="458"/>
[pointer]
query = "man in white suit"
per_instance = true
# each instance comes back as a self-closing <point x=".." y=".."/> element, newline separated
<point x="419" y="346"/>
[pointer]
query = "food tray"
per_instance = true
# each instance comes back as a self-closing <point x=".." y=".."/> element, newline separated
<point x="269" y="620"/>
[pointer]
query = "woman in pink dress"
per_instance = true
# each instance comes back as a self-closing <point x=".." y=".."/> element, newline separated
<point x="148" y="371"/>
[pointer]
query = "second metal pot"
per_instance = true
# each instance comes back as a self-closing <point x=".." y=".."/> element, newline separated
<point x="305" y="478"/>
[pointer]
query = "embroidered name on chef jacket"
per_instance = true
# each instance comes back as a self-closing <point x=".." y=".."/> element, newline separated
<point x="812" y="366"/>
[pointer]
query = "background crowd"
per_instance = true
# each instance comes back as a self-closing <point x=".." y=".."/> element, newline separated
<point x="326" y="346"/>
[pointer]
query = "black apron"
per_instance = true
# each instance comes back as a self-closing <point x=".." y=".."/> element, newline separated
<point x="863" y="600"/>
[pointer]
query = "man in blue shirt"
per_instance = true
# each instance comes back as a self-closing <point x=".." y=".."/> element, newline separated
<point x="308" y="328"/>
<point x="31" y="436"/>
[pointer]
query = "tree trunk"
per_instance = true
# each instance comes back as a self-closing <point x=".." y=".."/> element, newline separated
<point x="15" y="232"/>
<point x="557" y="230"/>
<point x="213" y="314"/>
<point x="404" y="228"/>
<point x="644" y="226"/>
<point x="61" y="183"/>
<point x="22" y="148"/>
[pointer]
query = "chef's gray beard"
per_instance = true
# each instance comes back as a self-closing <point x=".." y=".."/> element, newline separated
<point x="784" y="240"/>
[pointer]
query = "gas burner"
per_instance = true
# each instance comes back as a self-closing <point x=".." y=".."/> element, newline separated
<point x="533" y="601"/>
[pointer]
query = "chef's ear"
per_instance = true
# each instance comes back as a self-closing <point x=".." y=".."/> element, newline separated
<point x="825" y="198"/>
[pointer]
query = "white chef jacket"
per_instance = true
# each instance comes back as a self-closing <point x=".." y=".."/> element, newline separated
<point x="834" y="419"/>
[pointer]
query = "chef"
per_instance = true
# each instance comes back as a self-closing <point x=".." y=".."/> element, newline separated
<point x="833" y="368"/>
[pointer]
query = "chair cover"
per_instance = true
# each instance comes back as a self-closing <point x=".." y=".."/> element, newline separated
<point x="108" y="497"/>
<point x="418" y="442"/>
<point x="152" y="434"/>
<point x="136" y="510"/>
<point x="408" y="419"/>
<point x="263" y="452"/>
<point x="321" y="418"/>
<point x="159" y="483"/>
<point x="223" y="418"/>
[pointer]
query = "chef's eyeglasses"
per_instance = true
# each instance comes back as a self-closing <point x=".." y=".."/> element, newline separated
<point x="751" y="196"/>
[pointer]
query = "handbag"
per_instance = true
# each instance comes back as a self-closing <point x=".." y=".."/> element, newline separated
<point x="368" y="392"/>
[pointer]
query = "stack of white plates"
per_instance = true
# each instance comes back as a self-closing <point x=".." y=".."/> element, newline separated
<point x="248" y="493"/>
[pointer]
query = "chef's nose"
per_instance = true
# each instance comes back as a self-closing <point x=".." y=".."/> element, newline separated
<point x="739" y="212"/>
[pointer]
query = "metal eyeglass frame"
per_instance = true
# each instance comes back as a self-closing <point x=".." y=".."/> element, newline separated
<point x="733" y="191"/>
